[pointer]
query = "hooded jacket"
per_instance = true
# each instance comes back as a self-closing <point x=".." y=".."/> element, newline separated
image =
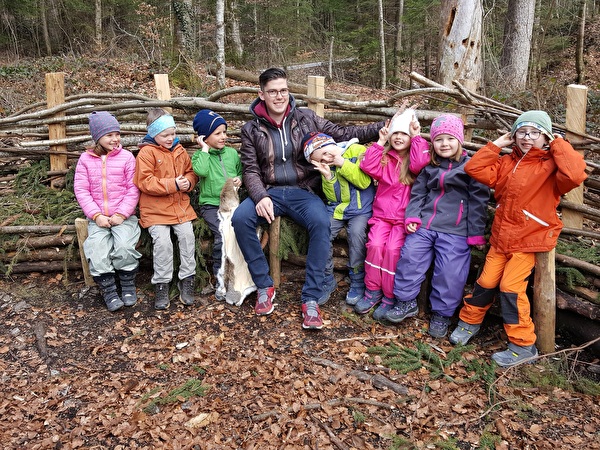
<point x="350" y="191"/>
<point x="161" y="202"/>
<point x="527" y="188"/>
<point x="273" y="156"/>
<point x="392" y="196"/>
<point x="104" y="184"/>
<point x="445" y="199"/>
<point x="214" y="168"/>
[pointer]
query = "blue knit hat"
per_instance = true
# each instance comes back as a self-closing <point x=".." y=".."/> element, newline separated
<point x="102" y="123"/>
<point x="206" y="122"/>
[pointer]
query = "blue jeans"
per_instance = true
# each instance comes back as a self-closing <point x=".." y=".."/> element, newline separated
<point x="304" y="208"/>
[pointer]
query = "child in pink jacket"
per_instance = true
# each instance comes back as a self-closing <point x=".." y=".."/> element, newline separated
<point x="394" y="162"/>
<point x="105" y="191"/>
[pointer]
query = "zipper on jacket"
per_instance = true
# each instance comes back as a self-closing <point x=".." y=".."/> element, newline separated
<point x="537" y="219"/>
<point x="442" y="192"/>
<point x="461" y="208"/>
<point x="104" y="158"/>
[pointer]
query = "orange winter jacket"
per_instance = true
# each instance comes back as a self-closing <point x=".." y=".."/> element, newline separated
<point x="161" y="203"/>
<point x="527" y="191"/>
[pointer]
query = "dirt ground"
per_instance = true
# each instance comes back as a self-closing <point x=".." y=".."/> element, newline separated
<point x="214" y="376"/>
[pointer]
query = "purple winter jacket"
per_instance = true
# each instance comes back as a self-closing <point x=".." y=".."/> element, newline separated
<point x="104" y="184"/>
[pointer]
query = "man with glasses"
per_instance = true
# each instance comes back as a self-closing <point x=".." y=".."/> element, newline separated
<point x="281" y="182"/>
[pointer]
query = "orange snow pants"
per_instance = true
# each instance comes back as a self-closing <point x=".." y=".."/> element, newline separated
<point x="504" y="275"/>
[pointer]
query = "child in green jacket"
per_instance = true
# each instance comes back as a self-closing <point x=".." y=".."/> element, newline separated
<point x="214" y="163"/>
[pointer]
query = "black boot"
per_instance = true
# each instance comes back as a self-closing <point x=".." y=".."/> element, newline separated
<point x="161" y="298"/>
<point x="186" y="290"/>
<point x="127" y="280"/>
<point x="108" y="287"/>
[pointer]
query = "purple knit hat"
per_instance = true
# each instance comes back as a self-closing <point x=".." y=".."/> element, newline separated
<point x="447" y="124"/>
<point x="101" y="123"/>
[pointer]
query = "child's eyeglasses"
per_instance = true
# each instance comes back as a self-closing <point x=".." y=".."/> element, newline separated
<point x="274" y="92"/>
<point x="533" y="135"/>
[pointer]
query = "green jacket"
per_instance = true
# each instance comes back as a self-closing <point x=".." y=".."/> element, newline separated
<point x="350" y="192"/>
<point x="214" y="168"/>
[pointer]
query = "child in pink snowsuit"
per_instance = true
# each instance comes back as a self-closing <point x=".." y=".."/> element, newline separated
<point x="394" y="162"/>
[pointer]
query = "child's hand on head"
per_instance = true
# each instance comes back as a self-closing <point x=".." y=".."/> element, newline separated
<point x="323" y="168"/>
<point x="415" y="128"/>
<point x="505" y="140"/>
<point x="204" y="146"/>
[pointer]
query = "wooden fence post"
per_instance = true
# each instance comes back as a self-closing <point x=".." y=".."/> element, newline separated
<point x="544" y="301"/>
<point x="575" y="120"/>
<point x="55" y="95"/>
<point x="163" y="91"/>
<point x="316" y="88"/>
<point x="81" y="228"/>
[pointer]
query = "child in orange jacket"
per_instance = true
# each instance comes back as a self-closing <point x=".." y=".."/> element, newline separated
<point x="528" y="184"/>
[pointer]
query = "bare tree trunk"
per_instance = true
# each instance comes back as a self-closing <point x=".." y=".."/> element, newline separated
<point x="98" y="23"/>
<point x="44" y="25"/>
<point x="516" y="48"/>
<point x="580" y="63"/>
<point x="220" y="37"/>
<point x="330" y="65"/>
<point x="460" y="41"/>
<point x="398" y="41"/>
<point x="382" y="45"/>
<point x="236" y="38"/>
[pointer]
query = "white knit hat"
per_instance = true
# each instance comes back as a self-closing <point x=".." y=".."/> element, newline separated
<point x="403" y="121"/>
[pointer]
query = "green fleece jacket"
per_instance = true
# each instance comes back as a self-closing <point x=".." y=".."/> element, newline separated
<point x="214" y="168"/>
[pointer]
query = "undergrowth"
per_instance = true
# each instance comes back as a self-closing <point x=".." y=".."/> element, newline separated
<point x="191" y="388"/>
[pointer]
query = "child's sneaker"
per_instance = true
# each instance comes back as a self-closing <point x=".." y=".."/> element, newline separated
<point x="161" y="297"/>
<point x="186" y="291"/>
<point x="438" y="326"/>
<point x="329" y="285"/>
<point x="370" y="299"/>
<point x="311" y="316"/>
<point x="402" y="310"/>
<point x="463" y="333"/>
<point x="386" y="305"/>
<point x="514" y="355"/>
<point x="264" y="301"/>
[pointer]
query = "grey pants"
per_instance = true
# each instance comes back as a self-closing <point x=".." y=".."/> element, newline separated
<point x="110" y="249"/>
<point x="162" y="251"/>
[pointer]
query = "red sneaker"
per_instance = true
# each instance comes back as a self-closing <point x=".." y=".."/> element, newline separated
<point x="264" y="301"/>
<point x="311" y="316"/>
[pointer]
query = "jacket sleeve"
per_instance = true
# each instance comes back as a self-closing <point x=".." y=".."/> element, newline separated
<point x="570" y="164"/>
<point x="145" y="179"/>
<point x="251" y="171"/>
<point x="200" y="163"/>
<point x="484" y="165"/>
<point x="132" y="193"/>
<point x="419" y="154"/>
<point x="352" y="172"/>
<point x="83" y="189"/>
<point x="364" y="133"/>
<point x="188" y="171"/>
<point x="479" y="195"/>
<point x="418" y="196"/>
<point x="371" y="163"/>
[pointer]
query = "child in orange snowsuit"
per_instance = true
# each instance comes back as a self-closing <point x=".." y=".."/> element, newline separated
<point x="528" y="184"/>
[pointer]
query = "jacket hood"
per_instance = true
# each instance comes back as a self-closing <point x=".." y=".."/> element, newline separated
<point x="150" y="140"/>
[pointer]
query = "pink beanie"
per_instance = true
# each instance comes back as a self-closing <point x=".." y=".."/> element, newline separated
<point x="447" y="124"/>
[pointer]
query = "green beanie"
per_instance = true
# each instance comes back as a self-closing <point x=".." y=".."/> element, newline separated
<point x="537" y="119"/>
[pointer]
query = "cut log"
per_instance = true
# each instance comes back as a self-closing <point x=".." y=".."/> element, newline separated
<point x="37" y="229"/>
<point x="39" y="242"/>
<point x="45" y="266"/>
<point x="44" y="254"/>
<point x="586" y="309"/>
<point x="578" y="264"/>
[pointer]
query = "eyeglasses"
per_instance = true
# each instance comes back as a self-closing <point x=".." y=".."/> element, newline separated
<point x="274" y="92"/>
<point x="533" y="134"/>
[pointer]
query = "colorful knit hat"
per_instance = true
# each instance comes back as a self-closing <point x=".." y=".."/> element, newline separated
<point x="402" y="122"/>
<point x="447" y="124"/>
<point x="537" y="119"/>
<point x="206" y="122"/>
<point x="102" y="123"/>
<point x="314" y="141"/>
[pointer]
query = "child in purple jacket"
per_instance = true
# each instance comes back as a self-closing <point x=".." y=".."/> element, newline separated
<point x="105" y="191"/>
<point x="446" y="215"/>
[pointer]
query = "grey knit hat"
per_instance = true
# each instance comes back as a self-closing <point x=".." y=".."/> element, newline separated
<point x="535" y="118"/>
